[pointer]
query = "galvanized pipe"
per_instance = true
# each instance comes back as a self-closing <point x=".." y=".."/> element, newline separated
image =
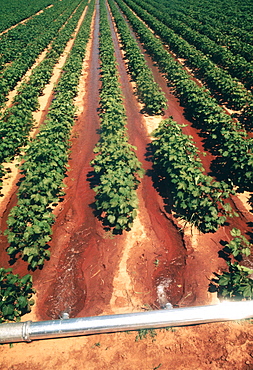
<point x="27" y="331"/>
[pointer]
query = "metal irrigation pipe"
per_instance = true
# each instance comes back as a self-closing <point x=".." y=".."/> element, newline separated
<point x="28" y="331"/>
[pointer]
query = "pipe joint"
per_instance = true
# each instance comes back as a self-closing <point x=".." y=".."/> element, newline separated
<point x="26" y="331"/>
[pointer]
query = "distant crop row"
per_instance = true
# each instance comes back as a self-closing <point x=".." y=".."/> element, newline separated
<point x="19" y="59"/>
<point x="16" y="122"/>
<point x="15" y="11"/>
<point x="45" y="164"/>
<point x="18" y="40"/>
<point x="222" y="56"/>
<point x="116" y="167"/>
<point x="225" y="88"/>
<point x="230" y="17"/>
<point x="224" y="137"/>
<point x="216" y="30"/>
<point x="177" y="35"/>
<point x="148" y="91"/>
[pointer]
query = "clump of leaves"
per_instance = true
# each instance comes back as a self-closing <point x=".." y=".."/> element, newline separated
<point x="15" y="295"/>
<point x="239" y="244"/>
<point x="196" y="197"/>
<point x="144" y="333"/>
<point x="44" y="164"/>
<point x="147" y="89"/>
<point x="236" y="283"/>
<point x="116" y="166"/>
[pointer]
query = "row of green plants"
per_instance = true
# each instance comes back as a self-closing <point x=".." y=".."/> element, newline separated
<point x="148" y="91"/>
<point x="15" y="295"/>
<point x="116" y="167"/>
<point x="45" y="164"/>
<point x="14" y="72"/>
<point x="195" y="197"/>
<point x="17" y="120"/>
<point x="18" y="10"/>
<point x="236" y="65"/>
<point x="224" y="137"/>
<point x="212" y="30"/>
<point x="237" y="282"/>
<point x="13" y="42"/>
<point x="220" y="15"/>
<point x="16" y="292"/>
<point x="227" y="90"/>
<point x="246" y="118"/>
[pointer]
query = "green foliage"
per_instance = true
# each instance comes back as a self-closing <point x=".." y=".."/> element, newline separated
<point x="116" y="167"/>
<point x="15" y="295"/>
<point x="197" y="198"/>
<point x="246" y="118"/>
<point x="236" y="284"/>
<point x="214" y="20"/>
<point x="224" y="137"/>
<point x="147" y="89"/>
<point x="22" y="46"/>
<point x="239" y="244"/>
<point x="45" y="164"/>
<point x="16" y="11"/>
<point x="226" y="89"/>
<point x="17" y="120"/>
<point x="144" y="333"/>
<point x="236" y="65"/>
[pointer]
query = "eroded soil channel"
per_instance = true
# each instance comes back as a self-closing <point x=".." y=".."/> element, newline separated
<point x="91" y="272"/>
<point x="166" y="249"/>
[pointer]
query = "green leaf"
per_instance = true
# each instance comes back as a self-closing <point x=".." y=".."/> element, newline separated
<point x="224" y="280"/>
<point x="7" y="310"/>
<point x="111" y="219"/>
<point x="247" y="291"/>
<point x="25" y="279"/>
<point x="235" y="232"/>
<point x="22" y="302"/>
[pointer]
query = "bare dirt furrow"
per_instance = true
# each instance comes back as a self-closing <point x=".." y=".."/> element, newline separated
<point x="202" y="249"/>
<point x="10" y="184"/>
<point x="159" y="237"/>
<point x="84" y="257"/>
